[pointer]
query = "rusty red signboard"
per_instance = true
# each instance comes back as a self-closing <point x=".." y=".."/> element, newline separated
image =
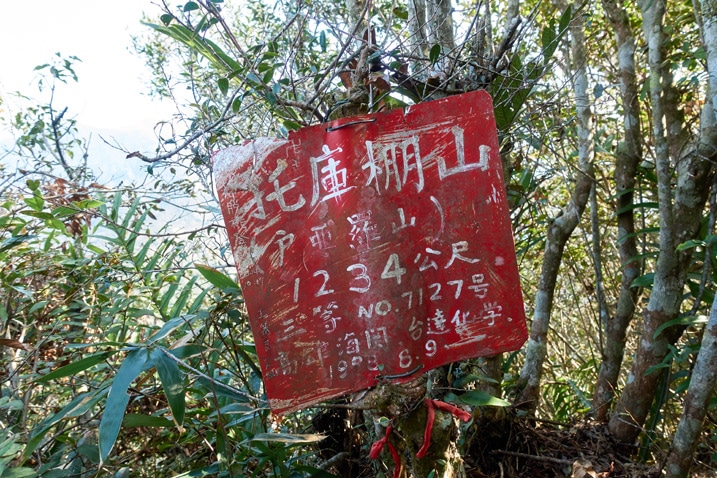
<point x="374" y="247"/>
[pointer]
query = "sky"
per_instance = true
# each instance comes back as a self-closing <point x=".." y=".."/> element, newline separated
<point x="111" y="98"/>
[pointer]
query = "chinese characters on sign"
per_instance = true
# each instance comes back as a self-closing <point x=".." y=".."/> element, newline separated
<point x="376" y="246"/>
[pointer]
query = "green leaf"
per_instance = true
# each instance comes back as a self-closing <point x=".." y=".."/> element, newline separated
<point x="598" y="91"/>
<point x="435" y="53"/>
<point x="471" y="378"/>
<point x="565" y="19"/>
<point x="190" y="6"/>
<point x="14" y="241"/>
<point x="477" y="398"/>
<point x="638" y="205"/>
<point x="215" y="277"/>
<point x="690" y="244"/>
<point x="166" y="18"/>
<point x="118" y="398"/>
<point x="78" y="406"/>
<point x="400" y="12"/>
<point x="18" y="472"/>
<point x="644" y="280"/>
<point x="35" y="202"/>
<point x="139" y="420"/>
<point x="685" y="320"/>
<point x="172" y="382"/>
<point x="547" y="41"/>
<point x="88" y="204"/>
<point x="170" y="326"/>
<point x="322" y="40"/>
<point x="223" y="85"/>
<point x="252" y="78"/>
<point x="76" y="367"/>
<point x="38" y="214"/>
<point x="236" y="105"/>
<point x="288" y="438"/>
<point x="291" y="125"/>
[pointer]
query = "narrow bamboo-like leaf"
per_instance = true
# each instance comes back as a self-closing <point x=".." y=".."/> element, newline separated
<point x="215" y="277"/>
<point x="88" y="204"/>
<point x="291" y="125"/>
<point x="20" y="472"/>
<point x="38" y="214"/>
<point x="138" y="420"/>
<point x="117" y="400"/>
<point x="471" y="378"/>
<point x="78" y="406"/>
<point x="186" y="351"/>
<point x="690" y="244"/>
<point x="685" y="320"/>
<point x="243" y="354"/>
<point x="477" y="398"/>
<point x="166" y="299"/>
<point x="76" y="367"/>
<point x="647" y="230"/>
<point x="142" y="254"/>
<point x="288" y="438"/>
<point x="172" y="382"/>
<point x="216" y="387"/>
<point x="565" y="20"/>
<point x="170" y="326"/>
<point x="130" y="213"/>
<point x="181" y="301"/>
<point x="15" y="241"/>
<point x="638" y="205"/>
<point x="644" y="280"/>
<point x="198" y="302"/>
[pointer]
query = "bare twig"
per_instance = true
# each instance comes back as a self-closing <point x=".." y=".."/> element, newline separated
<point x="196" y="135"/>
<point x="548" y="459"/>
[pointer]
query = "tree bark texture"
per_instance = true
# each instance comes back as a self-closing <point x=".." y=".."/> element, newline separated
<point x="680" y="213"/>
<point x="704" y="379"/>
<point x="560" y="230"/>
<point x="696" y="404"/>
<point x="417" y="28"/>
<point x="628" y="157"/>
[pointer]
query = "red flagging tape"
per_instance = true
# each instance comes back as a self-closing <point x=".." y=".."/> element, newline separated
<point x="378" y="446"/>
<point x="446" y="407"/>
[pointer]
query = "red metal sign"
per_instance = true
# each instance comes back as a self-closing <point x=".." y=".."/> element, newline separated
<point x="373" y="247"/>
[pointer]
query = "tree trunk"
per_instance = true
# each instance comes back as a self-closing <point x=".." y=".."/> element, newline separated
<point x="678" y="222"/>
<point x="703" y="378"/>
<point x="628" y="157"/>
<point x="696" y="403"/>
<point x="560" y="230"/>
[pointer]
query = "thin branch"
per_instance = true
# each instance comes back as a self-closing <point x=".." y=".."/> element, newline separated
<point x="196" y="135"/>
<point x="548" y="459"/>
<point x="55" y="122"/>
<point x="214" y="382"/>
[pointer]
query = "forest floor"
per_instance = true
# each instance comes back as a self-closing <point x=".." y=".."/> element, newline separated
<point x="526" y="447"/>
<point x="504" y="445"/>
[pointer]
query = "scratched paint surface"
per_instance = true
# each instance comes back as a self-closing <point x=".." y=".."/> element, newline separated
<point x="376" y="250"/>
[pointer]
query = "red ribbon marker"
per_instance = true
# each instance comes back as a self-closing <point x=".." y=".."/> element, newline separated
<point x="446" y="407"/>
<point x="377" y="447"/>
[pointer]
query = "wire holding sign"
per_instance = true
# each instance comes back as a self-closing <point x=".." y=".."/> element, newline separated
<point x="377" y="247"/>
